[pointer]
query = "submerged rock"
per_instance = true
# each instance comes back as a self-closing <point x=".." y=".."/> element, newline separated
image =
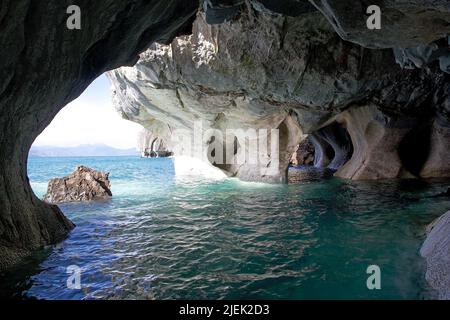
<point x="436" y="250"/>
<point x="84" y="184"/>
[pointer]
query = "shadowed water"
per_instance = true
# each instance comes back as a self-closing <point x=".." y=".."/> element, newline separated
<point x="161" y="237"/>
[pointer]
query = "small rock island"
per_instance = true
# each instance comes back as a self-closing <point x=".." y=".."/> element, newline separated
<point x="84" y="184"/>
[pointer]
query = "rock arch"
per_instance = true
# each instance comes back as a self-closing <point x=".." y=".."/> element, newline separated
<point x="266" y="64"/>
<point x="333" y="146"/>
<point x="44" y="66"/>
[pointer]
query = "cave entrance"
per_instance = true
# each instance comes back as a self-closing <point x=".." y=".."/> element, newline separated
<point x="333" y="146"/>
<point x="86" y="132"/>
<point x="304" y="155"/>
<point x="321" y="154"/>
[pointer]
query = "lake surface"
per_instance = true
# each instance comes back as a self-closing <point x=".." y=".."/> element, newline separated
<point x="165" y="237"/>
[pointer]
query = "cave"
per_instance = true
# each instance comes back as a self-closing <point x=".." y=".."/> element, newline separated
<point x="304" y="155"/>
<point x="333" y="146"/>
<point x="299" y="69"/>
<point x="415" y="148"/>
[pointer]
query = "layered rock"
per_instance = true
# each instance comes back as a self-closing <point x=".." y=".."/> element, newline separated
<point x="84" y="184"/>
<point x="418" y="31"/>
<point x="376" y="139"/>
<point x="436" y="251"/>
<point x="333" y="145"/>
<point x="261" y="69"/>
<point x="405" y="23"/>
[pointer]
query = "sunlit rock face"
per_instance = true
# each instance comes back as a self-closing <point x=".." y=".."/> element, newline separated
<point x="249" y="74"/>
<point x="294" y="74"/>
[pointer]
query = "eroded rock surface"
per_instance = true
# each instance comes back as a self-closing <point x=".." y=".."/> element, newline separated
<point x="376" y="138"/>
<point x="436" y="251"/>
<point x="44" y="66"/>
<point x="261" y="69"/>
<point x="304" y="156"/>
<point x="151" y="145"/>
<point x="84" y="184"/>
<point x="266" y="64"/>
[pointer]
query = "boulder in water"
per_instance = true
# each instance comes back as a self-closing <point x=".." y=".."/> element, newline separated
<point x="84" y="184"/>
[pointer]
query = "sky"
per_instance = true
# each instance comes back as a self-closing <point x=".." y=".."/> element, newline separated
<point x="90" y="119"/>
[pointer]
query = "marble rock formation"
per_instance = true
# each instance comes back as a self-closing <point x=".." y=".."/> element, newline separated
<point x="438" y="162"/>
<point x="153" y="146"/>
<point x="436" y="251"/>
<point x="84" y="184"/>
<point x="264" y="64"/>
<point x="278" y="72"/>
<point x="376" y="139"/>
<point x="304" y="156"/>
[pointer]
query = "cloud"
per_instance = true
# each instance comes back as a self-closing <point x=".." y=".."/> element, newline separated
<point x="90" y="119"/>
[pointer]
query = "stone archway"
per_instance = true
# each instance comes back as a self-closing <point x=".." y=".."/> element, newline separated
<point x="44" y="66"/>
<point x="295" y="63"/>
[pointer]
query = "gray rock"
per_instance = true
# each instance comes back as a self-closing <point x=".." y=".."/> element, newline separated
<point x="262" y="69"/>
<point x="436" y="251"/>
<point x="84" y="184"/>
<point x="405" y="23"/>
<point x="304" y="156"/>
<point x="288" y="73"/>
<point x="44" y="66"/>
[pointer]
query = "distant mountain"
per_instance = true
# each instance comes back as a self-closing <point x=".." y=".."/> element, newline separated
<point x="95" y="150"/>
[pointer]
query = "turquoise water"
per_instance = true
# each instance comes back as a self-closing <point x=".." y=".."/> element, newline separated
<point x="162" y="237"/>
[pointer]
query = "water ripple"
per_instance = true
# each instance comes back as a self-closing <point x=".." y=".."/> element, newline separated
<point x="162" y="238"/>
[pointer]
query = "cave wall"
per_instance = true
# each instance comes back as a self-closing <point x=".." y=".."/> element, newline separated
<point x="438" y="161"/>
<point x="254" y="70"/>
<point x="376" y="138"/>
<point x="262" y="64"/>
<point x="43" y="66"/>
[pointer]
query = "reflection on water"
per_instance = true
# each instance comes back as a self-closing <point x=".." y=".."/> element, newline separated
<point x="162" y="238"/>
<point x="299" y="174"/>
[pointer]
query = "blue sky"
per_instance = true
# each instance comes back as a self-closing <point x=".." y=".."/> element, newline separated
<point x="90" y="119"/>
